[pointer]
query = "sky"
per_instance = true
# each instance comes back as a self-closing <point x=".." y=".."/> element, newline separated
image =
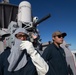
<point x="63" y="18"/>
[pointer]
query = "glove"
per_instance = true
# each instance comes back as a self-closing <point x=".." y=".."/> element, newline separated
<point x="41" y="66"/>
<point x="28" y="46"/>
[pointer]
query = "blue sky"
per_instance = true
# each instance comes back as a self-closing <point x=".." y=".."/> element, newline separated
<point x="63" y="18"/>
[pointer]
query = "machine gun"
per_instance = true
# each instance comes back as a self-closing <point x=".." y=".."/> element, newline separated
<point x="43" y="19"/>
<point x="34" y="30"/>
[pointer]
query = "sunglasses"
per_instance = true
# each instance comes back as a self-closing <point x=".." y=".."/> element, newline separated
<point x="20" y="35"/>
<point x="59" y="36"/>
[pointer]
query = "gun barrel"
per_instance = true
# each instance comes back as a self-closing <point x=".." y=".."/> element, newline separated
<point x="41" y="20"/>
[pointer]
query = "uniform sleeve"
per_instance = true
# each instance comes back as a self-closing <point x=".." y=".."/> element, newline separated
<point x="39" y="62"/>
<point x="47" y="57"/>
<point x="47" y="54"/>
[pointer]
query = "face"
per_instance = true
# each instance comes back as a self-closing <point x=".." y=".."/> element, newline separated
<point x="58" y="39"/>
<point x="21" y="36"/>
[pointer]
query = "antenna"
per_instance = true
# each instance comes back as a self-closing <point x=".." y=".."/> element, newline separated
<point x="5" y="1"/>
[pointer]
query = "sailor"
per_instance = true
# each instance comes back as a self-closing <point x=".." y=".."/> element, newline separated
<point x="22" y="58"/>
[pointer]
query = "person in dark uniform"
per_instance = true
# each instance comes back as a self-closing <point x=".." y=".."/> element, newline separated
<point x="22" y="58"/>
<point x="5" y="67"/>
<point x="55" y="56"/>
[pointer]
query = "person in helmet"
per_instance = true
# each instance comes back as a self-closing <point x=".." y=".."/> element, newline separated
<point x="22" y="58"/>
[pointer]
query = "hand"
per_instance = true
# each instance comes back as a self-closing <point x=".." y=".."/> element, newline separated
<point x="28" y="46"/>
